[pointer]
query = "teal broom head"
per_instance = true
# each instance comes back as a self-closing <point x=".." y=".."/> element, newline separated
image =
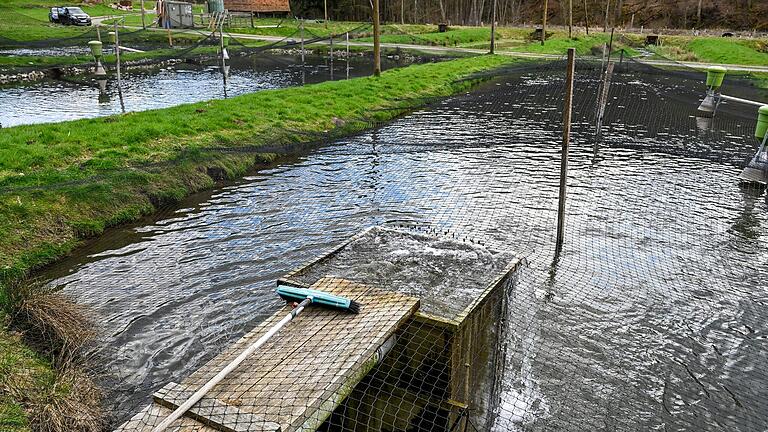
<point x="289" y="293"/>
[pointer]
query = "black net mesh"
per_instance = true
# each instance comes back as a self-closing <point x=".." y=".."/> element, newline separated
<point x="442" y="225"/>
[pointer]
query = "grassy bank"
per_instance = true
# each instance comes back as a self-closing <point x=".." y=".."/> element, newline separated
<point x="61" y="183"/>
<point x="27" y="20"/>
<point x="715" y="50"/>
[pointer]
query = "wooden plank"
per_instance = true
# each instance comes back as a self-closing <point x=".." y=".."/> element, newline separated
<point x="213" y="412"/>
<point x="153" y="414"/>
<point x="312" y="365"/>
<point x="274" y="353"/>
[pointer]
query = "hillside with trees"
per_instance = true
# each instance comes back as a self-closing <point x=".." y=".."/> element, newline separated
<point x="686" y="14"/>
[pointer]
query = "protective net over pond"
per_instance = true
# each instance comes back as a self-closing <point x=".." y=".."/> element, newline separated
<point x="152" y="45"/>
<point x="653" y="316"/>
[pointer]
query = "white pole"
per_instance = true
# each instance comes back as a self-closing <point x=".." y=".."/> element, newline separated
<point x="740" y="100"/>
<point x="195" y="398"/>
<point x="117" y="61"/>
<point x="117" y="54"/>
<point x="301" y="28"/>
<point x="347" y="36"/>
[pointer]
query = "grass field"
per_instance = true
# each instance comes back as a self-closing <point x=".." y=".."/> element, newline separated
<point x="27" y="20"/>
<point x="715" y="50"/>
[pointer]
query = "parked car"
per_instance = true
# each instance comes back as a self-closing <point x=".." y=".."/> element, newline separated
<point x="53" y="15"/>
<point x="73" y="16"/>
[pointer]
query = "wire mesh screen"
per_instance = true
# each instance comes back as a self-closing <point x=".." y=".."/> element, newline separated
<point x="652" y="317"/>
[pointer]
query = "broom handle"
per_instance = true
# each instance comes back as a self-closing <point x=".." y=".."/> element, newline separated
<point x="195" y="398"/>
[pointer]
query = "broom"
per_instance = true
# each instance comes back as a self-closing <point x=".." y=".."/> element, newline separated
<point x="303" y="295"/>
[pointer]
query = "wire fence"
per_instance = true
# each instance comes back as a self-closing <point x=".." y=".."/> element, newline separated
<point x="651" y="317"/>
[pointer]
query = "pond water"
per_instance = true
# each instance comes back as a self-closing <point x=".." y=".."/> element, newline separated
<point x="76" y="98"/>
<point x="653" y="317"/>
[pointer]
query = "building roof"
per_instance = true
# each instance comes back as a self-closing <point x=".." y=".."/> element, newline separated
<point x="257" y="5"/>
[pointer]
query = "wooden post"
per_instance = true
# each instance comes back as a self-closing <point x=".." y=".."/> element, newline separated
<point x="605" y="22"/>
<point x="402" y="11"/>
<point x="544" y="24"/>
<point x="252" y="24"/>
<point x="493" y="28"/>
<point x="610" y="44"/>
<point x="586" y="17"/>
<point x="376" y="40"/>
<point x="567" y="109"/>
<point x="570" y="19"/>
<point x="143" y="23"/>
<point x="325" y="9"/>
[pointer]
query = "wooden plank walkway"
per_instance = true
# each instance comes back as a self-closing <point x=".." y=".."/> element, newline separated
<point x="296" y="379"/>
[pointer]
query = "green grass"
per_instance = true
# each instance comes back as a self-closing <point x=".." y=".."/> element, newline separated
<point x="456" y="37"/>
<point x="289" y="27"/>
<point x="23" y="376"/>
<point x="27" y="20"/>
<point x="715" y="50"/>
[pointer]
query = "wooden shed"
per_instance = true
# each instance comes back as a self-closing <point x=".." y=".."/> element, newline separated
<point x="259" y="6"/>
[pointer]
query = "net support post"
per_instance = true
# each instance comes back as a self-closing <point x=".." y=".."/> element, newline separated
<point x="567" y="111"/>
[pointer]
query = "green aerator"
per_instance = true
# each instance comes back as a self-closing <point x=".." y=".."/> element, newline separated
<point x="715" y="77"/>
<point x="96" y="50"/>
<point x="757" y="168"/>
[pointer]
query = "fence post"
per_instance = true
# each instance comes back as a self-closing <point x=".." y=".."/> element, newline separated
<point x="567" y="110"/>
<point x="252" y="24"/>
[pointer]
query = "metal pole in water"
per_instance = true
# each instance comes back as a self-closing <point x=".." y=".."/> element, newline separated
<point x="301" y="30"/>
<point x="347" y="36"/>
<point x="567" y="110"/>
<point x="223" y="60"/>
<point x="117" y="61"/>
